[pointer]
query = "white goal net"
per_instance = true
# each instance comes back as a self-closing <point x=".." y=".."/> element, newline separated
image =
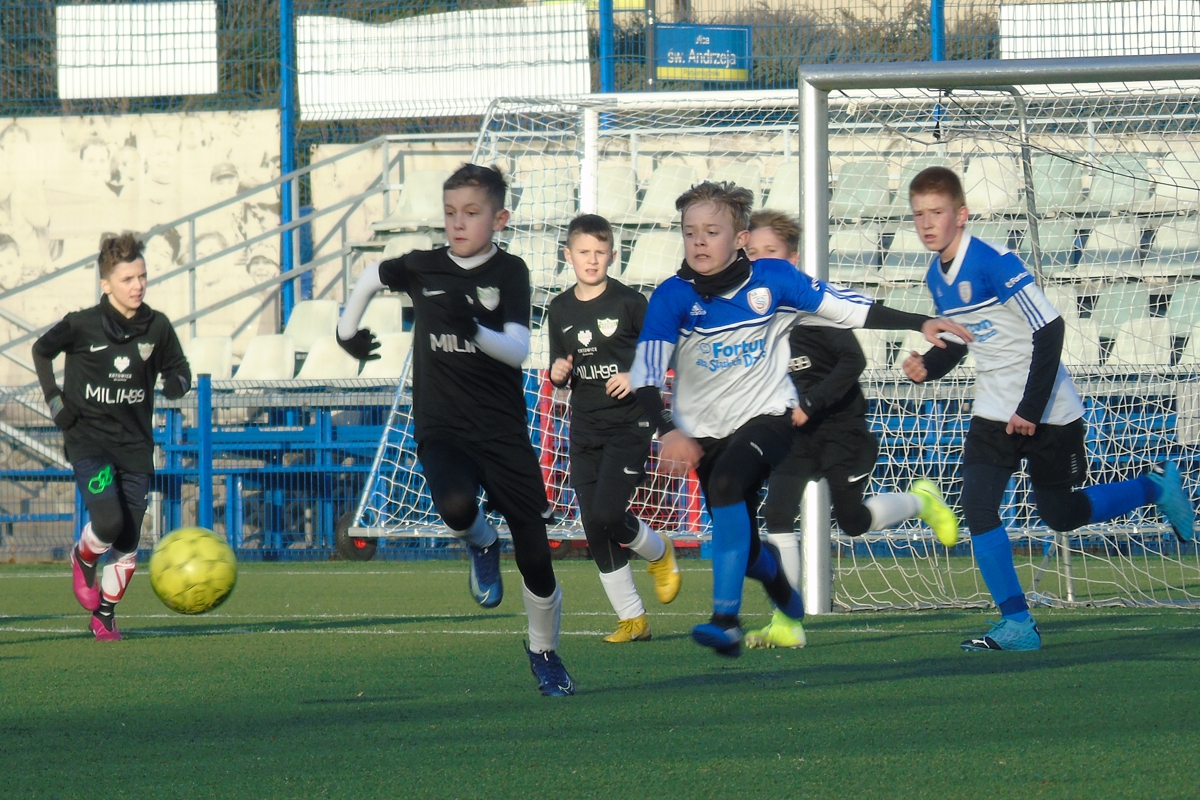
<point x="1097" y="186"/>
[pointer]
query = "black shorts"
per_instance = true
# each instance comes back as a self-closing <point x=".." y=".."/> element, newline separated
<point x="842" y="452"/>
<point x="1056" y="455"/>
<point x="507" y="469"/>
<point x="100" y="481"/>
<point x="624" y="452"/>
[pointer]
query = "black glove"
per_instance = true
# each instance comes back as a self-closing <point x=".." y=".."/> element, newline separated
<point x="65" y="417"/>
<point x="458" y="315"/>
<point x="177" y="385"/>
<point x="362" y="345"/>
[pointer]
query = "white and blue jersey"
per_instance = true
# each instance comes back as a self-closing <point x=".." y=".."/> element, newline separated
<point x="990" y="293"/>
<point x="732" y="351"/>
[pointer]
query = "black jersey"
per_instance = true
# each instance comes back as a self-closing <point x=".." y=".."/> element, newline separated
<point x="601" y="334"/>
<point x="457" y="388"/>
<point x="112" y="366"/>
<point x="825" y="366"/>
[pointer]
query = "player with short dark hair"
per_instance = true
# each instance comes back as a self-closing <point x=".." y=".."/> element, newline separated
<point x="471" y="304"/>
<point x="115" y="352"/>
<point x="1026" y="406"/>
<point x="594" y="327"/>
<point x="831" y="441"/>
<point x="726" y="321"/>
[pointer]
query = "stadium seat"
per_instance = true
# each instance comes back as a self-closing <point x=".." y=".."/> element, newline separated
<point x="997" y="233"/>
<point x="547" y="197"/>
<point x="854" y="254"/>
<point x="539" y="251"/>
<point x="327" y="361"/>
<point x="311" y="320"/>
<point x="393" y="349"/>
<point x="1117" y="304"/>
<point x="993" y="186"/>
<point x="210" y="355"/>
<point x="1142" y="343"/>
<point x="403" y="243"/>
<point x="1183" y="312"/>
<point x="913" y="299"/>
<point x="1191" y="350"/>
<point x="1177" y="183"/>
<point x="268" y="358"/>
<point x="1058" y="241"/>
<point x="743" y="173"/>
<point x="617" y="188"/>
<point x="667" y="182"/>
<point x="1081" y="344"/>
<point x="383" y="314"/>
<point x="1057" y="184"/>
<point x="907" y="259"/>
<point x="1120" y="182"/>
<point x="861" y="190"/>
<point x="656" y="256"/>
<point x="1175" y="249"/>
<point x="420" y="204"/>
<point x="1112" y="251"/>
<point x="785" y="189"/>
<point x="1064" y="301"/>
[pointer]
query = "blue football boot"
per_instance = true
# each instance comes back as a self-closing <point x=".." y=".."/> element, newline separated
<point x="486" y="586"/>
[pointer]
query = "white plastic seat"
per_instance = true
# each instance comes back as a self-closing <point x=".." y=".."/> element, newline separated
<point x="1175" y="250"/>
<point x="393" y="349"/>
<point x="311" y="320"/>
<point x="327" y="361"/>
<point x="907" y="259"/>
<point x="1081" y="344"/>
<point x="1183" y="312"/>
<point x="1177" y="184"/>
<point x="547" y="196"/>
<point x="861" y="190"/>
<point x="539" y="251"/>
<point x="913" y="299"/>
<point x="1120" y="182"/>
<point x="1142" y="343"/>
<point x="785" y="189"/>
<point x="420" y="204"/>
<point x="1119" y="303"/>
<point x="992" y="185"/>
<point x="1191" y="350"/>
<point x="1064" y="301"/>
<point x="1058" y="241"/>
<point x="656" y="256"/>
<point x="1111" y="251"/>
<point x="1057" y="184"/>
<point x="404" y="243"/>
<point x="995" y="233"/>
<point x="210" y="355"/>
<point x="747" y="174"/>
<point x="666" y="184"/>
<point x="268" y="358"/>
<point x="383" y="314"/>
<point x="854" y="254"/>
<point x="616" y="184"/>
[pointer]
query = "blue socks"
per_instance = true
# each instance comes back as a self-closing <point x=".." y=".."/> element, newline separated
<point x="767" y="570"/>
<point x="731" y="551"/>
<point x="1110" y="500"/>
<point x="993" y="554"/>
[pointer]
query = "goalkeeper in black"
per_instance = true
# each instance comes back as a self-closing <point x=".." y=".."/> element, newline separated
<point x="594" y="328"/>
<point x="115" y="353"/>
<point x="470" y="335"/>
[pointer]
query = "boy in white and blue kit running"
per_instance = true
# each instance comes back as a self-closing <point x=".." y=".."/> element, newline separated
<point x="1026" y="405"/>
<point x="726" y="321"/>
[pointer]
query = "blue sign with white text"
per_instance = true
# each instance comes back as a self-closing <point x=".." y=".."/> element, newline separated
<point x="702" y="52"/>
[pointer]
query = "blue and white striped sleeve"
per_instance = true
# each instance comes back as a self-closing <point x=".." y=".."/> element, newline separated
<point x="656" y="343"/>
<point x="1032" y="304"/>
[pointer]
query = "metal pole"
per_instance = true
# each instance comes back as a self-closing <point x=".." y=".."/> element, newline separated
<point x="937" y="30"/>
<point x="589" y="164"/>
<point x="287" y="151"/>
<point x="817" y="582"/>
<point x="651" y="22"/>
<point x="607" y="49"/>
<point x="204" y="448"/>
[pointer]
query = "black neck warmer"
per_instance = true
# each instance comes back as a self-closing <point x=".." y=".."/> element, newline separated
<point x="120" y="328"/>
<point x="720" y="283"/>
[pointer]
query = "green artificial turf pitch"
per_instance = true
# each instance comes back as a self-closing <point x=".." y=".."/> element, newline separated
<point x="385" y="680"/>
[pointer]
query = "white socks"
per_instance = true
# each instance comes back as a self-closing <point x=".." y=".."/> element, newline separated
<point x="480" y="534"/>
<point x="623" y="595"/>
<point x="647" y="544"/>
<point x="545" y="619"/>
<point x="116" y="574"/>
<point x="892" y="509"/>
<point x="789" y="554"/>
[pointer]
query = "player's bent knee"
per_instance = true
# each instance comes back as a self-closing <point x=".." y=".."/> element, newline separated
<point x="1062" y="509"/>
<point x="108" y="520"/>
<point x="457" y="510"/>
<point x="537" y="571"/>
<point x="724" y="490"/>
<point x="855" y="522"/>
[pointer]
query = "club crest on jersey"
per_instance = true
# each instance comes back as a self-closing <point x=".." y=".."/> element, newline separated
<point x="121" y="363"/>
<point x="607" y="326"/>
<point x="964" y="291"/>
<point x="759" y="299"/>
<point x="145" y="349"/>
<point x="585" y="337"/>
<point x="489" y="297"/>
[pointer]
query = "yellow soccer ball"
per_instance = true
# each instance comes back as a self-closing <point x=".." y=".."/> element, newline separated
<point x="192" y="570"/>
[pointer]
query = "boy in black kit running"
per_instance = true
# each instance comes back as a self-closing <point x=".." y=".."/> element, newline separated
<point x="470" y="335"/>
<point x="594" y="327"/>
<point x="105" y="407"/>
